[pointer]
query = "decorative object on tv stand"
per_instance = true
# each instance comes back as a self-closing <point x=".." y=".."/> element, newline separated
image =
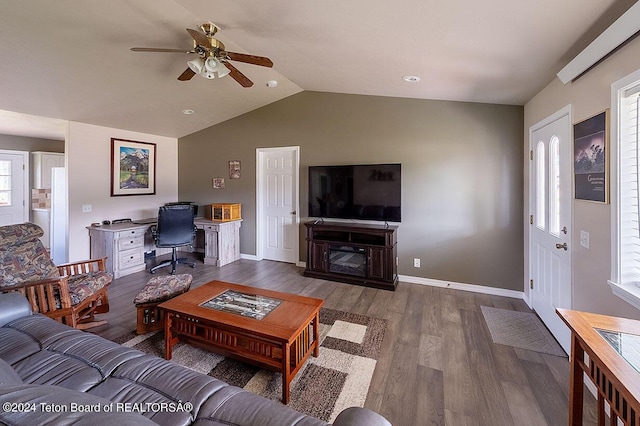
<point x="218" y="183"/>
<point x="226" y="212"/>
<point x="590" y="165"/>
<point x="234" y="169"/>
<point x="133" y="167"/>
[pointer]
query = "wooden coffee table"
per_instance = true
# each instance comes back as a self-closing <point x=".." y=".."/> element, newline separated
<point x="272" y="330"/>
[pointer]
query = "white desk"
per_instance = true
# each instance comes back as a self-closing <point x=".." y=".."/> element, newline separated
<point x="124" y="244"/>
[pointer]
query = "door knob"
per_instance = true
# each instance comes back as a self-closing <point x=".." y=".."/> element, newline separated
<point x="562" y="246"/>
<point x="293" y="212"/>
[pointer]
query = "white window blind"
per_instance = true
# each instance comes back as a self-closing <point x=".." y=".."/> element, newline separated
<point x="625" y="217"/>
<point x="629" y="214"/>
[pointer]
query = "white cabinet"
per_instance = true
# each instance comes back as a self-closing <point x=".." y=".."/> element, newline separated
<point x="122" y="245"/>
<point x="43" y="162"/>
<point x="221" y="241"/>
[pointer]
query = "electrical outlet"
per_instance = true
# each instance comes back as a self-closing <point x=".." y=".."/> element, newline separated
<point x="86" y="208"/>
<point x="584" y="239"/>
<point x="416" y="262"/>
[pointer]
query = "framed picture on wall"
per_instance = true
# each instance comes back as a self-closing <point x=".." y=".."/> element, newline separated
<point x="234" y="169"/>
<point x="590" y="162"/>
<point x="133" y="167"/>
<point x="218" y="183"/>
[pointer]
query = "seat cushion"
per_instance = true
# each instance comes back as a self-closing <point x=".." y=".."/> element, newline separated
<point x="8" y="375"/>
<point x="22" y="255"/>
<point x="235" y="406"/>
<point x="151" y="380"/>
<point x="163" y="287"/>
<point x="84" y="285"/>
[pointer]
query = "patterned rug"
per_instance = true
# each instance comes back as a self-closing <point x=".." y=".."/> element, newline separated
<point x="337" y="379"/>
<point x="522" y="330"/>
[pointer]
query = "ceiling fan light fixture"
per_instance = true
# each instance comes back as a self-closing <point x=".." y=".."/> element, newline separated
<point x="196" y="65"/>
<point x="223" y="70"/>
<point x="212" y="64"/>
<point x="208" y="74"/>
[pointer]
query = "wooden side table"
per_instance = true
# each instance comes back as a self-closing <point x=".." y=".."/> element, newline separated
<point x="609" y="368"/>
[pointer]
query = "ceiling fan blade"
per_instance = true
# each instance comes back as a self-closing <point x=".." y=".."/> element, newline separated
<point x="250" y="59"/>
<point x="200" y="38"/>
<point x="238" y="76"/>
<point x="186" y="75"/>
<point x="153" y="49"/>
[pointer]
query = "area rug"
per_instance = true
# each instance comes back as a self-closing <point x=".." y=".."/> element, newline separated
<point x="339" y="378"/>
<point x="522" y="330"/>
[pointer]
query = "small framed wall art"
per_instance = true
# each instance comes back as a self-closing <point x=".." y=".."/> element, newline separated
<point x="218" y="183"/>
<point x="133" y="167"/>
<point x="234" y="169"/>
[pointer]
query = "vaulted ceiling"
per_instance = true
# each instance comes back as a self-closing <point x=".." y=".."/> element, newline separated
<point x="71" y="59"/>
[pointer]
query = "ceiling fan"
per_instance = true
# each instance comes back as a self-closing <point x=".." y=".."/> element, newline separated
<point x="212" y="57"/>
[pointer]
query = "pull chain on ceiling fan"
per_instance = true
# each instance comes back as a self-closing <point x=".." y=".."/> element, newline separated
<point x="212" y="58"/>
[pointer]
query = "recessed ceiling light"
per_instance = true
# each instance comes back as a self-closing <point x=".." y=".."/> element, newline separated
<point x="187" y="111"/>
<point x="272" y="83"/>
<point x="411" y="78"/>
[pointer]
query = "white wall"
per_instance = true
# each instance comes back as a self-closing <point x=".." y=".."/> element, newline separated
<point x="588" y="95"/>
<point x="88" y="150"/>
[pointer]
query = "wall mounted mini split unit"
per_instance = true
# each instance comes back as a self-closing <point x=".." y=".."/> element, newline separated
<point x="619" y="32"/>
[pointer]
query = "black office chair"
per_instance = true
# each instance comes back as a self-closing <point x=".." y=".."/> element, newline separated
<point x="175" y="228"/>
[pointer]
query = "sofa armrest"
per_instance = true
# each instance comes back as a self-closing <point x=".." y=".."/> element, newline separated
<point x="83" y="266"/>
<point x="356" y="416"/>
<point x="49" y="296"/>
<point x="13" y="306"/>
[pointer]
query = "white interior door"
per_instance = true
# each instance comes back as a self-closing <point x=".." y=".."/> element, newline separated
<point x="14" y="187"/>
<point x="550" y="235"/>
<point x="277" y="216"/>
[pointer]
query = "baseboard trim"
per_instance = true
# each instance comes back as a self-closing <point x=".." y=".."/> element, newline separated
<point x="248" y="256"/>
<point x="447" y="284"/>
<point x="462" y="286"/>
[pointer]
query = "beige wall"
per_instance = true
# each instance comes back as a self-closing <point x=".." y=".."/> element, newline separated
<point x="461" y="173"/>
<point x="589" y="95"/>
<point x="23" y="143"/>
<point x="89" y="159"/>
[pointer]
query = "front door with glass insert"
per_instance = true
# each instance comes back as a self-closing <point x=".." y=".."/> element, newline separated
<point x="550" y="236"/>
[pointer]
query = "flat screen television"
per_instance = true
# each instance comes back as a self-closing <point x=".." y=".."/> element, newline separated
<point x="363" y="191"/>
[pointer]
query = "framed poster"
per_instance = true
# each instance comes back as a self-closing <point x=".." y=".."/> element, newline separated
<point x="234" y="169"/>
<point x="133" y="167"/>
<point x="590" y="165"/>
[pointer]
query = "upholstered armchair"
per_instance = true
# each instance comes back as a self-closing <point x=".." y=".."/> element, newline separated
<point x="72" y="293"/>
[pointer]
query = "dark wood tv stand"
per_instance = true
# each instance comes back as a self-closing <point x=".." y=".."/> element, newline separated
<point x="353" y="253"/>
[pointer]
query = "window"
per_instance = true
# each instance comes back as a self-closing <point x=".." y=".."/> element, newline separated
<point x="540" y="187"/>
<point x="554" y="186"/>
<point x="625" y="220"/>
<point x="5" y="183"/>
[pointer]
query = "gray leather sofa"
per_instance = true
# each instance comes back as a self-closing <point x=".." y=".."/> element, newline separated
<point x="54" y="374"/>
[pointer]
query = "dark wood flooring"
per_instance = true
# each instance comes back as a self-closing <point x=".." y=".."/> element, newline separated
<point x="438" y="364"/>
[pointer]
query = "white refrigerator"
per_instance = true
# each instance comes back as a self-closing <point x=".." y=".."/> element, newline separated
<point x="59" y="216"/>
